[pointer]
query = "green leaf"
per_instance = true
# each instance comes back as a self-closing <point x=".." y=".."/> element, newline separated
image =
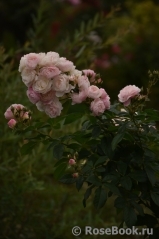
<point x="122" y="167"/>
<point x="80" y="108"/>
<point x="155" y="198"/>
<point x="79" y="182"/>
<point x="58" y="151"/>
<point x="100" y="198"/>
<point x="119" y="202"/>
<point x="96" y="131"/>
<point x="139" y="176"/>
<point x="116" y="140"/>
<point x="60" y="170"/>
<point x="130" y="216"/>
<point x="101" y="160"/>
<point x="138" y="207"/>
<point x="94" y="180"/>
<point x="113" y="188"/>
<point x="67" y="179"/>
<point x="126" y="183"/>
<point x="27" y="148"/>
<point x="72" y="118"/>
<point x="151" y="174"/>
<point x="87" y="194"/>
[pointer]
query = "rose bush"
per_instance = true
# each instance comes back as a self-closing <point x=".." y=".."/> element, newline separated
<point x="116" y="151"/>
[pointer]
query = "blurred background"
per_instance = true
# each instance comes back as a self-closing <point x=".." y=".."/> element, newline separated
<point x="117" y="39"/>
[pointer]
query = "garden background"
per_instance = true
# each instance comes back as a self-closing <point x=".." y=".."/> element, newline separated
<point x="117" y="39"/>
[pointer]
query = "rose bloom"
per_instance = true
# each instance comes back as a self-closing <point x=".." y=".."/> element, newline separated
<point x="78" y="98"/>
<point x="25" y="115"/>
<point x="61" y="85"/>
<point x="103" y="93"/>
<point x="90" y="74"/>
<point x="97" y="107"/>
<point x="28" y="76"/>
<point x="42" y="85"/>
<point x="12" y="123"/>
<point x="94" y="92"/>
<point x="106" y="101"/>
<point x="72" y="162"/>
<point x="30" y="60"/>
<point x="49" y="71"/>
<point x="47" y="97"/>
<point x="83" y="82"/>
<point x="127" y="93"/>
<point x="49" y="59"/>
<point x="33" y="96"/>
<point x="9" y="114"/>
<point x="65" y="65"/>
<point x="54" y="108"/>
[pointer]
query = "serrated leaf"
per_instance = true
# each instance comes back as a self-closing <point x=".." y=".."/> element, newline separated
<point x="67" y="179"/>
<point x="87" y="194"/>
<point x="117" y="140"/>
<point x="79" y="182"/>
<point x="94" y="180"/>
<point x="60" y="170"/>
<point x="27" y="148"/>
<point x="58" y="151"/>
<point x="100" y="161"/>
<point x="130" y="216"/>
<point x="96" y="131"/>
<point x="100" y="198"/>
<point x="126" y="183"/>
<point x="151" y="174"/>
<point x="138" y="207"/>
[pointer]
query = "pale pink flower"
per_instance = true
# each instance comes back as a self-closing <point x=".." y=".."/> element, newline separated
<point x="72" y="162"/>
<point x="28" y="76"/>
<point x="83" y="82"/>
<point x="61" y="85"/>
<point x="75" y="175"/>
<point x="30" y="60"/>
<point x="94" y="92"/>
<point x="49" y="71"/>
<point x="127" y="93"/>
<point x="11" y="111"/>
<point x="49" y="59"/>
<point x="106" y="101"/>
<point x="103" y="93"/>
<point x="47" y="97"/>
<point x="25" y="115"/>
<point x="65" y="65"/>
<point x="97" y="107"/>
<point x="33" y="96"/>
<point x="90" y="74"/>
<point x="12" y="123"/>
<point x="54" y="108"/>
<point x="42" y="85"/>
<point x="78" y="98"/>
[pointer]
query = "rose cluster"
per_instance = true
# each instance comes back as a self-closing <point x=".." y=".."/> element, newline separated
<point x="50" y="78"/>
<point x="17" y="113"/>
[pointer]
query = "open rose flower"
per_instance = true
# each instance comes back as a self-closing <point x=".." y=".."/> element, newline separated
<point x="42" y="85"/>
<point x="65" y="65"/>
<point x="30" y="60"/>
<point x="49" y="59"/>
<point x="61" y="85"/>
<point x="78" y="98"/>
<point x="54" y="108"/>
<point x="94" y="92"/>
<point x="83" y="82"/>
<point x="90" y="74"/>
<point x="47" y="97"/>
<point x="97" y="107"/>
<point x="127" y="93"/>
<point x="33" y="96"/>
<point x="49" y="71"/>
<point x="28" y="76"/>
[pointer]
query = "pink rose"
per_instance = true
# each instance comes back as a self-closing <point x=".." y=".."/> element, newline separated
<point x="90" y="74"/>
<point x="94" y="92"/>
<point x="50" y="71"/>
<point x="97" y="107"/>
<point x="78" y="98"/>
<point x="33" y="96"/>
<point x="12" y="123"/>
<point x="127" y="93"/>
<point x="103" y="93"/>
<point x="53" y="109"/>
<point x="30" y="60"/>
<point x="28" y="76"/>
<point x="47" y="97"/>
<point x="49" y="59"/>
<point x="75" y="175"/>
<point x="83" y="82"/>
<point x="26" y="116"/>
<point x="106" y="101"/>
<point x="72" y="162"/>
<point x="65" y="65"/>
<point x="9" y="114"/>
